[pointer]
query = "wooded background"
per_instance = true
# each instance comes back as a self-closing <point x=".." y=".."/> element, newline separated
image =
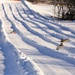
<point x="65" y="9"/>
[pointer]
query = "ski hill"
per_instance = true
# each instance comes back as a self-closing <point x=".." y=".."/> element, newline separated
<point x="29" y="38"/>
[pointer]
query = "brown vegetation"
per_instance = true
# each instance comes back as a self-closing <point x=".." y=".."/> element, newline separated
<point x="66" y="8"/>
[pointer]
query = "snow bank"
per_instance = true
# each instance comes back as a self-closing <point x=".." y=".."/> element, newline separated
<point x="27" y="66"/>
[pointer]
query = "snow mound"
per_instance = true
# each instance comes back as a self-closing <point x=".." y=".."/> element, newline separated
<point x="25" y="65"/>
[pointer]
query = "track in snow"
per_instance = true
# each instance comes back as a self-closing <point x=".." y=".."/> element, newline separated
<point x="38" y="38"/>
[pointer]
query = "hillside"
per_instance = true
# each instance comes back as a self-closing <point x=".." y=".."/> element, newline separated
<point x="29" y="38"/>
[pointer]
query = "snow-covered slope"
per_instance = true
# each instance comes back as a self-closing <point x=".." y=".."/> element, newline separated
<point x="28" y="41"/>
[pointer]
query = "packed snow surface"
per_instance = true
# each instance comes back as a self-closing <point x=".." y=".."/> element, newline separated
<point x="29" y="38"/>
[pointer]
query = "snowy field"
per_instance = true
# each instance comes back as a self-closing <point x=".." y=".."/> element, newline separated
<point x="29" y="38"/>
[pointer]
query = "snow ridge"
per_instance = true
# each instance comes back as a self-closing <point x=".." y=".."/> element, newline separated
<point x="25" y="65"/>
<point x="29" y="40"/>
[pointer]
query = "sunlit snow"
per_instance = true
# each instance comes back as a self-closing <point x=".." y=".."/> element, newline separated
<point x="29" y="37"/>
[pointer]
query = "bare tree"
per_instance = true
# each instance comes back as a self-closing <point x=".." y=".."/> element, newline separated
<point x="66" y="9"/>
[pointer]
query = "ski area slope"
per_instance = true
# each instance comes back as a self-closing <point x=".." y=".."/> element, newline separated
<point x="28" y="42"/>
